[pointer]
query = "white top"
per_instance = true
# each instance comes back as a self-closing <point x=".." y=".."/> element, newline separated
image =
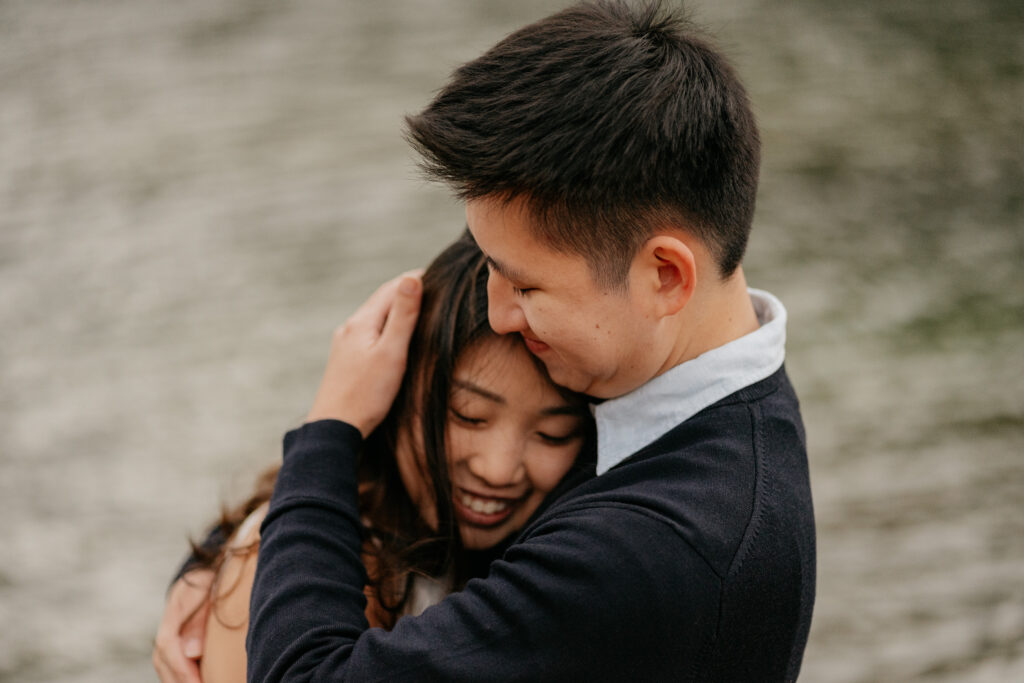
<point x="424" y="592"/>
<point x="245" y="532"/>
<point x="628" y="423"/>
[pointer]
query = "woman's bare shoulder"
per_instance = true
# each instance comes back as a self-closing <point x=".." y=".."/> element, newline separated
<point x="224" y="650"/>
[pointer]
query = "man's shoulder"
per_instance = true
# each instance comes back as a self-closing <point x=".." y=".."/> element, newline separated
<point x="729" y="425"/>
<point x="725" y="430"/>
<point x="706" y="478"/>
<point x="710" y="524"/>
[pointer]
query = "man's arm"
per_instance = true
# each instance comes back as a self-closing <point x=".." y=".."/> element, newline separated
<point x="593" y="591"/>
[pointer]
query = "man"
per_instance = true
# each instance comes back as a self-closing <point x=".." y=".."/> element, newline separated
<point x="609" y="160"/>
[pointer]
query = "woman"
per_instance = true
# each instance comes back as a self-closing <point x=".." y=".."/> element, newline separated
<point x="475" y="441"/>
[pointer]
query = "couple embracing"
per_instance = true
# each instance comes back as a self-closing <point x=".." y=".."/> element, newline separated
<point x="568" y="451"/>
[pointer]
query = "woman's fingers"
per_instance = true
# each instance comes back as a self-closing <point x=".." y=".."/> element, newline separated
<point x="175" y="669"/>
<point x="401" y="321"/>
<point x="375" y="311"/>
<point x="185" y="613"/>
<point x="193" y="633"/>
<point x="368" y="356"/>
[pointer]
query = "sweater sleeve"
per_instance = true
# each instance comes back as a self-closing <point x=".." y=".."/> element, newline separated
<point x="587" y="593"/>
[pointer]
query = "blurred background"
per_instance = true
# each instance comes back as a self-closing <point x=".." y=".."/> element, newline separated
<point x="193" y="194"/>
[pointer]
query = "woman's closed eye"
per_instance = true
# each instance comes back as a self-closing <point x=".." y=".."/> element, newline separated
<point x="467" y="419"/>
<point x="559" y="439"/>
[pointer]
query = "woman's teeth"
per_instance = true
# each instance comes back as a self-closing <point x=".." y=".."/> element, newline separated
<point x="484" y="506"/>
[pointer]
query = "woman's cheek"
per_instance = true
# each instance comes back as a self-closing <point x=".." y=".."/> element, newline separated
<point x="459" y="441"/>
<point x="551" y="467"/>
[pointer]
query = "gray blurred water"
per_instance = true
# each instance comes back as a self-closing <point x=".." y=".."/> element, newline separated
<point x="193" y="194"/>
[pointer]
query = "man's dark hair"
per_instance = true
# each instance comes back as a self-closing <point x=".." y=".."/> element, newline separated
<point x="608" y="120"/>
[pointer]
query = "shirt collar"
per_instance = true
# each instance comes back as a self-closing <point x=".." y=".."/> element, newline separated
<point x="628" y="423"/>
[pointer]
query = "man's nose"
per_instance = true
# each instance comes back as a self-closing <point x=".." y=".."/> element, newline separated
<point x="503" y="310"/>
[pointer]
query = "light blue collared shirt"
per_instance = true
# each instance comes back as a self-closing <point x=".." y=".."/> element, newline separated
<point x="628" y="423"/>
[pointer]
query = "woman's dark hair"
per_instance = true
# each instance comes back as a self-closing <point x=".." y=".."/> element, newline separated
<point x="453" y="317"/>
<point x="399" y="543"/>
<point x="609" y="120"/>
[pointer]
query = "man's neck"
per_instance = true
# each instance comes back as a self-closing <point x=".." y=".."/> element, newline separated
<point x="716" y="315"/>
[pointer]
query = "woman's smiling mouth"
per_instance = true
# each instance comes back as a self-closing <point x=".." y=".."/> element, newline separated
<point x="484" y="511"/>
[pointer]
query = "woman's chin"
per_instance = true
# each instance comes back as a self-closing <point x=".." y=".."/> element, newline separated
<point x="483" y="537"/>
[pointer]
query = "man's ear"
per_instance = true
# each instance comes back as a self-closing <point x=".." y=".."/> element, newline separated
<point x="669" y="272"/>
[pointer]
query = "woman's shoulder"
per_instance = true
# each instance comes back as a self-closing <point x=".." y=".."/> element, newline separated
<point x="248" y="532"/>
<point x="227" y="623"/>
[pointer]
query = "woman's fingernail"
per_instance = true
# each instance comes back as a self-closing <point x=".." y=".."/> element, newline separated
<point x="410" y="285"/>
<point x="193" y="648"/>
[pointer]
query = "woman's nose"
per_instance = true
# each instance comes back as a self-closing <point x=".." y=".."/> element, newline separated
<point x="499" y="463"/>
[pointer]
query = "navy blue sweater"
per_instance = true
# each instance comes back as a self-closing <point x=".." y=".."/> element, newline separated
<point x="693" y="560"/>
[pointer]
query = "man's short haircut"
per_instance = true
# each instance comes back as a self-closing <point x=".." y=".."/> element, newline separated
<point x="609" y="121"/>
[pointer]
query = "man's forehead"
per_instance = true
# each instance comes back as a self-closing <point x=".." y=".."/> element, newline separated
<point x="503" y="233"/>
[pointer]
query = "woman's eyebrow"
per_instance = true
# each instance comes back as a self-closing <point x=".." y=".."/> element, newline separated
<point x="479" y="390"/>
<point x="564" y="409"/>
<point x="560" y="410"/>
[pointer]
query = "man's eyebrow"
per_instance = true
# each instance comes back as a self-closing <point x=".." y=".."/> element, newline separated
<point x="505" y="271"/>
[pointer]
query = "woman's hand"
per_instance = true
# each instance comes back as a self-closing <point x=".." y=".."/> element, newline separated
<point x="368" y="356"/>
<point x="179" y="640"/>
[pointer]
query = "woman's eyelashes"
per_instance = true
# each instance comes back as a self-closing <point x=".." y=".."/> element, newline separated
<point x="467" y="419"/>
<point x="554" y="437"/>
<point x="556" y="440"/>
